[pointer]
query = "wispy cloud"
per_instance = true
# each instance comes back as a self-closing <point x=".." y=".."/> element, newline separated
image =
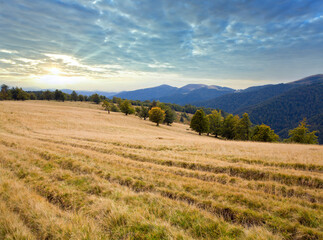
<point x="114" y="43"/>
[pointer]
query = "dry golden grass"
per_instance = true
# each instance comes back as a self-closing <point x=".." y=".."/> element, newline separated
<point x="72" y="171"/>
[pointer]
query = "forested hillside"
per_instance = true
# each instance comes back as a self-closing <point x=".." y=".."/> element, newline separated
<point x="234" y="102"/>
<point x="153" y="93"/>
<point x="184" y="95"/>
<point x="238" y="102"/>
<point x="203" y="93"/>
<point x="284" y="112"/>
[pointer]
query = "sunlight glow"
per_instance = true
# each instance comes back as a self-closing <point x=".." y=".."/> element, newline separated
<point x="55" y="71"/>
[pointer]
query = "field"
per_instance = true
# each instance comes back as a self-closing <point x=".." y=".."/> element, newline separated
<point x="73" y="171"/>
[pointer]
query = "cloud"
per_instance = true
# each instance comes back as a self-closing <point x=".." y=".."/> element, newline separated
<point x="7" y="51"/>
<point x="278" y="40"/>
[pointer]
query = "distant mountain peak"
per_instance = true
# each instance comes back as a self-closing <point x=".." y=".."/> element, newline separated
<point x="191" y="87"/>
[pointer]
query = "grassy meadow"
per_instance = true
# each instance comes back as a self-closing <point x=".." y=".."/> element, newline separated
<point x="72" y="171"/>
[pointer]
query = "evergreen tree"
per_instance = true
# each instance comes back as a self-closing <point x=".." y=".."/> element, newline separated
<point x="169" y="115"/>
<point x="229" y="127"/>
<point x="199" y="122"/>
<point x="126" y="107"/>
<point x="216" y="121"/>
<point x="156" y="115"/>
<point x="243" y="128"/>
<point x="74" y="96"/>
<point x="263" y="133"/>
<point x="301" y="134"/>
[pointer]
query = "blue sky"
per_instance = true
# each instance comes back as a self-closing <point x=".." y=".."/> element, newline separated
<point x="125" y="44"/>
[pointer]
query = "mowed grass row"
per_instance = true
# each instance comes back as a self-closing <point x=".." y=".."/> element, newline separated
<point x="237" y="212"/>
<point x="115" y="177"/>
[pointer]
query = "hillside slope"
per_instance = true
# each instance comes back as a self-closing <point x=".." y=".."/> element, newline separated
<point x="284" y="112"/>
<point x="234" y="101"/>
<point x="238" y="101"/>
<point x="199" y="94"/>
<point x="72" y="171"/>
<point x="148" y="93"/>
<point x="184" y="95"/>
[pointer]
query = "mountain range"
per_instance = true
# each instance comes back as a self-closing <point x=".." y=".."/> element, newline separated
<point x="184" y="95"/>
<point x="282" y="106"/>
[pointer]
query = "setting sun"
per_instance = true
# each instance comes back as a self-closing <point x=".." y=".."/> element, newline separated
<point x="55" y="71"/>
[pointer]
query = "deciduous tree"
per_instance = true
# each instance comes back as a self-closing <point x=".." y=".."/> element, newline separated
<point x="229" y="128"/>
<point x="47" y="95"/>
<point x="95" y="98"/>
<point x="301" y="134"/>
<point x="126" y="107"/>
<point x="59" y="95"/>
<point x="215" y="121"/>
<point x="156" y="115"/>
<point x="106" y="105"/>
<point x="199" y="122"/>
<point x="263" y="133"/>
<point x="243" y="128"/>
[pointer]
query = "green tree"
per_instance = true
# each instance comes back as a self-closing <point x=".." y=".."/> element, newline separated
<point x="126" y="107"/>
<point x="144" y="112"/>
<point x="199" y="122"/>
<point x="156" y="115"/>
<point x="32" y="96"/>
<point x="19" y="94"/>
<point x="106" y="105"/>
<point x="301" y="134"/>
<point x="5" y="93"/>
<point x="47" y="95"/>
<point x="114" y="108"/>
<point x="74" y="96"/>
<point x="95" y="98"/>
<point x="169" y="115"/>
<point x="243" y="128"/>
<point x="137" y="111"/>
<point x="229" y="127"/>
<point x="263" y="133"/>
<point x="59" y="95"/>
<point x="153" y="104"/>
<point x="184" y="115"/>
<point x="215" y="121"/>
<point x="81" y="98"/>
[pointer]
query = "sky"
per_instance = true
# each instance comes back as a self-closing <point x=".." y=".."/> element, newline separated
<point x="114" y="45"/>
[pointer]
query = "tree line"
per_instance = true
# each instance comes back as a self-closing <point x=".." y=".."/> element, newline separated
<point x="16" y="93"/>
<point x="205" y="120"/>
<point x="236" y="128"/>
<point x="156" y="112"/>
